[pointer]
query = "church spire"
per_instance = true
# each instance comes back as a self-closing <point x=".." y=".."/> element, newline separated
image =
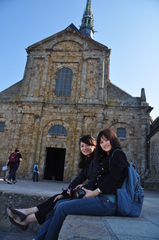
<point x="87" y="27"/>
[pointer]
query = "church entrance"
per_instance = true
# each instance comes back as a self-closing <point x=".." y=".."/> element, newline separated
<point x="54" y="164"/>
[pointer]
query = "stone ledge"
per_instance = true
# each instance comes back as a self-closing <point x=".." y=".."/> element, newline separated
<point x="74" y="227"/>
<point x="17" y="201"/>
<point x="84" y="228"/>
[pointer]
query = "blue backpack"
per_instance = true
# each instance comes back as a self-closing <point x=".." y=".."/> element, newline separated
<point x="130" y="196"/>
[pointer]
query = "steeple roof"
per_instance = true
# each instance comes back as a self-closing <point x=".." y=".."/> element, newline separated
<point x="87" y="27"/>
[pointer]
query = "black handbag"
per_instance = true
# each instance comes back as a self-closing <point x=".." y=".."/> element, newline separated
<point x="78" y="193"/>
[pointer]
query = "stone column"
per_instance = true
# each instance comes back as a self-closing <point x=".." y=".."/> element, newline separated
<point x="44" y="77"/>
<point x="101" y="78"/>
<point x="84" y="76"/>
<point x="76" y="155"/>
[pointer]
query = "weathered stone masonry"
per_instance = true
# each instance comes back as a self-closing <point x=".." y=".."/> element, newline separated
<point x="30" y="107"/>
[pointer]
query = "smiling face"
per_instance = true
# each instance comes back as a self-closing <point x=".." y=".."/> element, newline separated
<point x="86" y="149"/>
<point x="105" y="144"/>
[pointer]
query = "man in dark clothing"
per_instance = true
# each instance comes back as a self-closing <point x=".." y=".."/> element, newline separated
<point x="14" y="160"/>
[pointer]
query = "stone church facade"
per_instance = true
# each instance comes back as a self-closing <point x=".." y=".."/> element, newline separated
<point x="66" y="93"/>
<point x="152" y="172"/>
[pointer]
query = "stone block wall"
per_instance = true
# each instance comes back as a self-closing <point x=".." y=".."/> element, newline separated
<point x="154" y="153"/>
<point x="152" y="175"/>
<point x="28" y="128"/>
<point x="95" y="103"/>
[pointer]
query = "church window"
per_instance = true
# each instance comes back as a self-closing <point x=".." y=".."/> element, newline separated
<point x="2" y="124"/>
<point x="121" y="132"/>
<point x="57" y="130"/>
<point x="63" y="83"/>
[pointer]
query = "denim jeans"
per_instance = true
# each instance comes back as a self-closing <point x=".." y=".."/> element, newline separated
<point x="95" y="206"/>
<point x="35" y="177"/>
<point x="13" y="169"/>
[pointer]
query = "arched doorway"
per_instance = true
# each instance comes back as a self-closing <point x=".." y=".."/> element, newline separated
<point x="55" y="155"/>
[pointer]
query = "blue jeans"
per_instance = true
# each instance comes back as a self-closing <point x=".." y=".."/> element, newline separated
<point x="13" y="169"/>
<point x="35" y="177"/>
<point x="95" y="206"/>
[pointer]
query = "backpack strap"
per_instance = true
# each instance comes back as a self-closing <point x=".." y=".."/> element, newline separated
<point x="113" y="155"/>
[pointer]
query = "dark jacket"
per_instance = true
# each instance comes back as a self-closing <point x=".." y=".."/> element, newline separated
<point x="110" y="180"/>
<point x="90" y="173"/>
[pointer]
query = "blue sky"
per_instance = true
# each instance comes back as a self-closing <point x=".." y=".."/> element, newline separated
<point x="130" y="28"/>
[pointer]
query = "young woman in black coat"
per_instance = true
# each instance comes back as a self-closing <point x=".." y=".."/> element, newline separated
<point x="102" y="200"/>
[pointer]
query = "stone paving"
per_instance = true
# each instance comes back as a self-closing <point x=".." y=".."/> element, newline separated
<point x="145" y="227"/>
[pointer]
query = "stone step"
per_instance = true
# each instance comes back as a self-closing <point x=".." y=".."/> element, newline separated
<point x="74" y="227"/>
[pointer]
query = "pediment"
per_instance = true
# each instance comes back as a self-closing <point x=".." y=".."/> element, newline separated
<point x="67" y="45"/>
<point x="67" y="39"/>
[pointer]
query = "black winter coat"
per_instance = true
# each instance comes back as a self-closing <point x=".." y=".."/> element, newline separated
<point x="109" y="180"/>
<point x="90" y="173"/>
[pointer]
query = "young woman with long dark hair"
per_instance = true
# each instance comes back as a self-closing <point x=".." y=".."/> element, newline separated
<point x="88" y="166"/>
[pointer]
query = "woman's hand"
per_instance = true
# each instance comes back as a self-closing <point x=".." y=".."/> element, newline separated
<point x="90" y="193"/>
<point x="78" y="186"/>
<point x="58" y="197"/>
<point x="69" y="192"/>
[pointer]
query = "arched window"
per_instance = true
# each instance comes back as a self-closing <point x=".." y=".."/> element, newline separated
<point x="63" y="83"/>
<point x="57" y="130"/>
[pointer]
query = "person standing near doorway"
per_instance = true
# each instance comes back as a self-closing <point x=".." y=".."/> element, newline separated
<point x="14" y="160"/>
<point x="35" y="173"/>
